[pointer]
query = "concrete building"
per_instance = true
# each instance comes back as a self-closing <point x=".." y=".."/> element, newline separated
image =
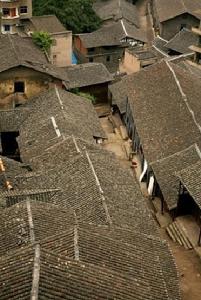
<point x="12" y="13"/>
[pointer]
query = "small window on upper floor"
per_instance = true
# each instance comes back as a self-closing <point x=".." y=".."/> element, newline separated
<point x="23" y="10"/>
<point x="108" y="58"/>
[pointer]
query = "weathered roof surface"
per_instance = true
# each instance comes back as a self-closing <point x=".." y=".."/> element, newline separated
<point x="170" y="9"/>
<point x="159" y="45"/>
<point x="61" y="278"/>
<point x="191" y="179"/>
<point x="112" y="35"/>
<point x="73" y="115"/>
<point x="111" y="248"/>
<point x="107" y="247"/>
<point x="11" y="120"/>
<point x="81" y="191"/>
<point x="164" y="121"/>
<point x="116" y="9"/>
<point x="15" y="229"/>
<point x="16" y="51"/>
<point x="182" y="41"/>
<point x="165" y="172"/>
<point x="48" y="23"/>
<point x="190" y="67"/>
<point x="87" y="75"/>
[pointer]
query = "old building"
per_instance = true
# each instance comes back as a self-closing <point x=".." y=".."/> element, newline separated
<point x="172" y="16"/>
<point x="17" y="18"/>
<point x="85" y="204"/>
<point x="90" y="78"/>
<point x="24" y="71"/>
<point x="106" y="45"/>
<point x="61" y="49"/>
<point x="137" y="58"/>
<point x="12" y="13"/>
<point x="61" y="114"/>
<point x="176" y="121"/>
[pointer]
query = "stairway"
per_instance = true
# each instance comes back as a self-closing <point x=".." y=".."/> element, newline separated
<point x="176" y="233"/>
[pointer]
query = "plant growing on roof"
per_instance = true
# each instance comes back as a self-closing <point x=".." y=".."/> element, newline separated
<point x="43" y="40"/>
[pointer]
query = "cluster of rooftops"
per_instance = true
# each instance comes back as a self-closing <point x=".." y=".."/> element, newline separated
<point x="74" y="223"/>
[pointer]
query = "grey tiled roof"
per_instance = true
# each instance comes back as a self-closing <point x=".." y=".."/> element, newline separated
<point x="61" y="278"/>
<point x="87" y="75"/>
<point x="169" y="9"/>
<point x="182" y="41"/>
<point x="112" y="35"/>
<point x="165" y="172"/>
<point x="116" y="9"/>
<point x="73" y="115"/>
<point x="16" y="51"/>
<point x="110" y="249"/>
<point x="164" y="122"/>
<point x="191" y="179"/>
<point x="47" y="23"/>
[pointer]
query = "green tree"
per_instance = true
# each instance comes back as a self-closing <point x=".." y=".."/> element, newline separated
<point x="76" y="15"/>
<point x="43" y="40"/>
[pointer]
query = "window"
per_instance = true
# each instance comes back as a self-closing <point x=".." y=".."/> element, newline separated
<point x="5" y="11"/>
<point x="90" y="50"/>
<point x="23" y="10"/>
<point x="91" y="59"/>
<point x="6" y="28"/>
<point x="107" y="58"/>
<point x="19" y="87"/>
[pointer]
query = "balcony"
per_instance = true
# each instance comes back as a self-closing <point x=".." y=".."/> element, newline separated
<point x="10" y="13"/>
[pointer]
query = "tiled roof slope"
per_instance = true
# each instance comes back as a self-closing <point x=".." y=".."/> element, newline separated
<point x="47" y="23"/>
<point x="116" y="10"/>
<point x="165" y="172"/>
<point x="164" y="121"/>
<point x="87" y="74"/>
<point x="112" y="35"/>
<point x="72" y="114"/>
<point x="16" y="51"/>
<point x="191" y="179"/>
<point x="61" y="278"/>
<point x="182" y="41"/>
<point x="170" y="9"/>
<point x="112" y="249"/>
<point x="83" y="193"/>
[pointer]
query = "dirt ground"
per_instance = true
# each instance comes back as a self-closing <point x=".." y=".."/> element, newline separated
<point x="188" y="263"/>
<point x="189" y="267"/>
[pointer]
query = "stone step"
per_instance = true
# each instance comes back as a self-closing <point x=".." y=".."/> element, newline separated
<point x="176" y="233"/>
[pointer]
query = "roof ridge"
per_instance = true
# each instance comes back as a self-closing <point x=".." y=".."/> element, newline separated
<point x="176" y="153"/>
<point x="184" y="97"/>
